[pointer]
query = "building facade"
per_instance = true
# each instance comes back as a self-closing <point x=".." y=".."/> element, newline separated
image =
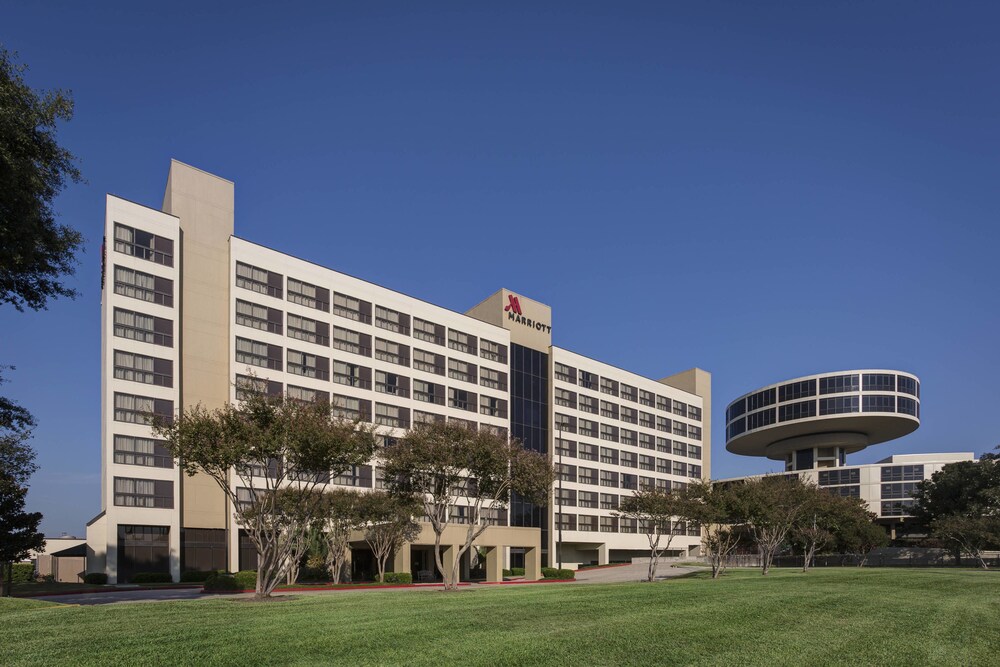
<point x="193" y="314"/>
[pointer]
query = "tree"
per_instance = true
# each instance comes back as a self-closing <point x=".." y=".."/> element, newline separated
<point x="17" y="459"/>
<point x="827" y="519"/>
<point x="452" y="467"/>
<point x="653" y="510"/>
<point x="960" y="504"/>
<point x="770" y="507"/>
<point x="268" y="443"/>
<point x="340" y="514"/>
<point x="35" y="252"/>
<point x="18" y="529"/>
<point x="390" y="524"/>
<point x="862" y="537"/>
<point x="714" y="508"/>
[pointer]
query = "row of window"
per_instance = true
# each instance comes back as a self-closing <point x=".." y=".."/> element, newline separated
<point x="611" y="387"/>
<point x="612" y="433"/>
<point x="594" y="405"/>
<point x="834" y="405"/>
<point x="834" y="384"/>
<point x="623" y="480"/>
<point x="319" y="298"/>
<point x="614" y="524"/>
<point x="144" y="245"/>
<point x="152" y="493"/>
<point x="589" y="452"/>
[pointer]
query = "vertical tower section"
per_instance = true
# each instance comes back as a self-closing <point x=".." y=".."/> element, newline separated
<point x="698" y="382"/>
<point x="530" y="326"/>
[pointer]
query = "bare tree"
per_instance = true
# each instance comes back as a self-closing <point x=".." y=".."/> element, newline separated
<point x="973" y="535"/>
<point x="389" y="525"/>
<point x="713" y="507"/>
<point x="453" y="468"/>
<point x="259" y="446"/>
<point x="653" y="510"/>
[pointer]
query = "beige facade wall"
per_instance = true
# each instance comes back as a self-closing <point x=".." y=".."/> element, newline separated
<point x="698" y="382"/>
<point x="532" y="327"/>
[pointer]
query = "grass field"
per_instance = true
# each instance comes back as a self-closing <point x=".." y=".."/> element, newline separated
<point x="830" y="616"/>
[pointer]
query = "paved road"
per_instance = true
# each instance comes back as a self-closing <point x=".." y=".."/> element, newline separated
<point x="633" y="572"/>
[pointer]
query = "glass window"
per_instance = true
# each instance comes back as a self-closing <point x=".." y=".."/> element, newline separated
<point x="878" y="382"/>
<point x="794" y="390"/>
<point x="144" y="245"/>
<point x="838" y="384"/>
<point x="132" y="450"/>
<point x="392" y="320"/>
<point x="395" y="353"/>
<point x="144" y="328"/>
<point x="565" y="373"/>
<point x="428" y="362"/>
<point x="800" y="410"/>
<point x="878" y="403"/>
<point x="260" y="317"/>
<point x="351" y="308"/>
<point x="143" y="286"/>
<point x="428" y="331"/>
<point x="259" y="280"/>
<point x="308" y="295"/>
<point x="309" y="330"/>
<point x="130" y="492"/>
<point x="838" y="405"/>
<point x="462" y="342"/>
<point x="255" y="353"/>
<point x="492" y="351"/>
<point x="147" y="370"/>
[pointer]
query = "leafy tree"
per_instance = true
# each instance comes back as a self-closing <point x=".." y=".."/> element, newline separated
<point x="17" y="459"/>
<point x="960" y="504"/>
<point x="389" y="524"/>
<point x="828" y="519"/>
<point x="268" y="444"/>
<point x="18" y="529"/>
<point x="715" y="508"/>
<point x="35" y="251"/>
<point x="862" y="538"/>
<point x="341" y="513"/>
<point x="451" y="467"/>
<point x="770" y="507"/>
<point x="653" y="510"/>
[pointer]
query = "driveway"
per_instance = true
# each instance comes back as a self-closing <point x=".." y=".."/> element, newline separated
<point x="631" y="572"/>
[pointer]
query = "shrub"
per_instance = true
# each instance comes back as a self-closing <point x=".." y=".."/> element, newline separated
<point x="517" y="571"/>
<point x="555" y="573"/>
<point x="151" y="578"/>
<point x="222" y="583"/>
<point x="22" y="573"/>
<point x="507" y="573"/>
<point x="309" y="573"/>
<point x="398" y="578"/>
<point x="246" y="579"/>
<point x="196" y="576"/>
<point x="95" y="578"/>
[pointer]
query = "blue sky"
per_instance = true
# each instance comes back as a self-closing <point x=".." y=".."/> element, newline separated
<point x="761" y="190"/>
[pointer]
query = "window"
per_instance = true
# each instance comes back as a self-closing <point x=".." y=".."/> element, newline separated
<point x="492" y="351"/>
<point x="609" y="386"/>
<point x="462" y="342"/>
<point x="587" y="475"/>
<point x="141" y="409"/>
<point x="646" y="483"/>
<point x="694" y="471"/>
<point x="428" y="392"/>
<point x="609" y="501"/>
<point x="628" y="459"/>
<point x="907" y="406"/>
<point x="351" y="308"/>
<point x="760" y="399"/>
<point x="352" y="375"/>
<point x="259" y="280"/>
<point x="131" y="450"/>
<point x="630" y="415"/>
<point x="144" y="328"/>
<point x="838" y="405"/>
<point x="878" y="403"/>
<point x="647" y="398"/>
<point x="663" y="424"/>
<point x="647" y="462"/>
<point x="587" y="452"/>
<point x="628" y="392"/>
<point x="130" y="492"/>
<point x="647" y="420"/>
<point x="565" y="472"/>
<point x="460" y="370"/>
<point x="428" y="362"/>
<point x="144" y="286"/>
<point x="395" y="353"/>
<point x="694" y="451"/>
<point x="609" y="478"/>
<point x="565" y="521"/>
<point x="565" y="423"/>
<point x="587" y="427"/>
<point x="308" y="365"/>
<point x="898" y="508"/>
<point x="897" y="491"/>
<point x="392" y="415"/>
<point x="352" y="341"/>
<point x="646" y="441"/>
<point x="609" y="432"/>
<point x="680" y="468"/>
<point x="306" y="395"/>
<point x="493" y="379"/>
<point x="663" y="485"/>
<point x="588" y="380"/>
<point x="587" y="404"/>
<point x="428" y="331"/>
<point x="391" y="383"/>
<point x="392" y="320"/>
<point x="147" y="370"/>
<point x="629" y="481"/>
<point x="911" y="473"/>
<point x="694" y="413"/>
<point x="680" y="409"/>
<point x="908" y="385"/>
<point x="609" y="410"/>
<point x="495" y="407"/>
<point x="761" y="419"/>
<point x="629" y="437"/>
<point x="357" y="476"/>
<point x="587" y="499"/>
<point x="680" y="428"/>
<point x="838" y="384"/>
<point x="800" y="410"/>
<point x="566" y="497"/>
<point x="144" y="245"/>
<point x="680" y="448"/>
<point x="308" y="330"/>
<point x="565" y="448"/>
<point x="348" y="407"/>
<point x="246" y="385"/>
<point x="565" y="373"/>
<point x="626" y="525"/>
<point x="663" y="445"/>
<point x="254" y="353"/>
<point x="694" y="432"/>
<point x="420" y="417"/>
<point x="461" y="399"/>
<point x="587" y="524"/>
<point x="609" y="455"/>
<point x="663" y="466"/>
<point x="794" y="390"/>
<point x="878" y="382"/>
<point x="308" y="295"/>
<point x="258" y="317"/>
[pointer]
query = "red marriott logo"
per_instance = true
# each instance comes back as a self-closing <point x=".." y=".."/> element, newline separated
<point x="514" y="306"/>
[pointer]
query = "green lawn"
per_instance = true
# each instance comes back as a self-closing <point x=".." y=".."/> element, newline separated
<point x="829" y="616"/>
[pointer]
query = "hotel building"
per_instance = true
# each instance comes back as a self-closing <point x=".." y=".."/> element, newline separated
<point x="192" y="314"/>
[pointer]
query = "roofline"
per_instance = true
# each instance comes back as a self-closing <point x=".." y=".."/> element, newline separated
<point x="644" y="377"/>
<point x="894" y="371"/>
<point x="207" y="173"/>
<point x="126" y="199"/>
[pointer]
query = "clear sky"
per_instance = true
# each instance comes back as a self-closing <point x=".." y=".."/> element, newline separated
<point x="761" y="190"/>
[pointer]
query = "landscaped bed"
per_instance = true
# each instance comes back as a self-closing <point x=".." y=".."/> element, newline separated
<point x="828" y="616"/>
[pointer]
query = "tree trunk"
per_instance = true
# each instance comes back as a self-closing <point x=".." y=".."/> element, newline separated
<point x="380" y="561"/>
<point x="765" y="562"/>
<point x="810" y="552"/>
<point x="439" y="561"/>
<point x="5" y="583"/>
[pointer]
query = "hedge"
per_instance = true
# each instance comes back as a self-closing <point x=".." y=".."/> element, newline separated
<point x="95" y="578"/>
<point x="555" y="573"/>
<point x="22" y="573"/>
<point x="196" y="576"/>
<point x="517" y="571"/>
<point x="247" y="579"/>
<point x="222" y="583"/>
<point x="151" y="578"/>
<point x="398" y="578"/>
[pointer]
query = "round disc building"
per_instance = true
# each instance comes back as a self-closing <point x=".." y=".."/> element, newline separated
<point x="816" y="420"/>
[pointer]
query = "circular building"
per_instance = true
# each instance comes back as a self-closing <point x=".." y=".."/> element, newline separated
<point x="816" y="420"/>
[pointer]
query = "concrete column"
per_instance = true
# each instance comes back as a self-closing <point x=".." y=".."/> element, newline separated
<point x="448" y="557"/>
<point x="401" y="559"/>
<point x="602" y="554"/>
<point x="494" y="564"/>
<point x="533" y="564"/>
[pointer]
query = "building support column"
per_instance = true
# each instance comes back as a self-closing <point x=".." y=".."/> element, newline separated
<point x="494" y="564"/>
<point x="401" y="560"/>
<point x="533" y="564"/>
<point x="602" y="554"/>
<point x="448" y="558"/>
